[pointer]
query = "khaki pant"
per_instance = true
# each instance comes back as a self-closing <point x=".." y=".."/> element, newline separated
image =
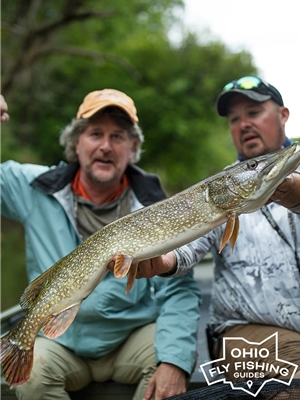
<point x="57" y="370"/>
<point x="288" y="350"/>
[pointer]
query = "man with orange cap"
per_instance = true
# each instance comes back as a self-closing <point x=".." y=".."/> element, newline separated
<point x="147" y="337"/>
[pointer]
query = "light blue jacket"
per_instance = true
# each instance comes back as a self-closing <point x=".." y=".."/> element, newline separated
<point x="108" y="316"/>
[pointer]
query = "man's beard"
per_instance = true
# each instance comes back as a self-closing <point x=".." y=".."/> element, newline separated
<point x="101" y="178"/>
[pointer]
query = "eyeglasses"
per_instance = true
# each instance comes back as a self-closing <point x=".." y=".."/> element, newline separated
<point x="248" y="83"/>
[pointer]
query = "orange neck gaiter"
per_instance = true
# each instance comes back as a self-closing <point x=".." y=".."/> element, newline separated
<point x="80" y="191"/>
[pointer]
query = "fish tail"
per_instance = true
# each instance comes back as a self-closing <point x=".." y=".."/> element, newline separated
<point x="16" y="360"/>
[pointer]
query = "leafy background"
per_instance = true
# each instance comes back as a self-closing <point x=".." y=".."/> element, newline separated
<point x="54" y="52"/>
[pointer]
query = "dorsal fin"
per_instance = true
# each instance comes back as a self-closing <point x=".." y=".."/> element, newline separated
<point x="33" y="290"/>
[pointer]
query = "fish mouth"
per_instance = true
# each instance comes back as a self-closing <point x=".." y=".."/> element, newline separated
<point x="276" y="168"/>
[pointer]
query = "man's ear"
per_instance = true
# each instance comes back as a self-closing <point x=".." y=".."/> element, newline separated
<point x="284" y="114"/>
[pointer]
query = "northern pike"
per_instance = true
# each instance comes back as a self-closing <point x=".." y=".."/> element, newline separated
<point x="53" y="299"/>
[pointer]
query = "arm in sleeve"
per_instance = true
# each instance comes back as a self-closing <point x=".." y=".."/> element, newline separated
<point x="16" y="192"/>
<point x="179" y="302"/>
<point x="191" y="254"/>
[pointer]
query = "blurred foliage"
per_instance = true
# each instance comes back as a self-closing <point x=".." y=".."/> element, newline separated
<point x="13" y="273"/>
<point x="55" y="52"/>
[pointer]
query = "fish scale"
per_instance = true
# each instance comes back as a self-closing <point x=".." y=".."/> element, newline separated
<point x="53" y="299"/>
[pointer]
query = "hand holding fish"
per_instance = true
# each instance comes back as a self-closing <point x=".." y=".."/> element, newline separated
<point x="161" y="265"/>
<point x="288" y="192"/>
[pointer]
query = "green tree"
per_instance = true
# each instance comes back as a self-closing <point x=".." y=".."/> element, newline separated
<point x="55" y="52"/>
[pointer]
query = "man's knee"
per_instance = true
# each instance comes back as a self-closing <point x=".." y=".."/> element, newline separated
<point x="136" y="359"/>
<point x="43" y="376"/>
<point x="55" y="370"/>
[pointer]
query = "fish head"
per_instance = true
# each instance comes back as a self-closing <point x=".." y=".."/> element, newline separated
<point x="246" y="186"/>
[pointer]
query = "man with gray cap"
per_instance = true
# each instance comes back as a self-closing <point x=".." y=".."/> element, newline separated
<point x="260" y="128"/>
<point x="256" y="288"/>
<point x="147" y="337"/>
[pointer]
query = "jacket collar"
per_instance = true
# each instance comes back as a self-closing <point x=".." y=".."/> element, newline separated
<point x="147" y="187"/>
<point x="56" y="179"/>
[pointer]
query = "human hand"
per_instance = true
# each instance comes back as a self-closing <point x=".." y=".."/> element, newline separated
<point x="168" y="380"/>
<point x="287" y="193"/>
<point x="165" y="264"/>
<point x="3" y="108"/>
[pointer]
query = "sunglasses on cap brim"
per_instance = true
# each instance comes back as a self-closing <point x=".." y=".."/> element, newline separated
<point x="247" y="83"/>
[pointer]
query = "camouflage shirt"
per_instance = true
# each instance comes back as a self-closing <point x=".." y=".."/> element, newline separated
<point x="258" y="282"/>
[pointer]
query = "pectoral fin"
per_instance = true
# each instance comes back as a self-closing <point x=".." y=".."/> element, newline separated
<point x="231" y="232"/>
<point x="122" y="265"/>
<point x="57" y="324"/>
<point x="131" y="277"/>
<point x="235" y="232"/>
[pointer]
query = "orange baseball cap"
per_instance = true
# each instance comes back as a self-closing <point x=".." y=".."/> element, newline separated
<point x="95" y="101"/>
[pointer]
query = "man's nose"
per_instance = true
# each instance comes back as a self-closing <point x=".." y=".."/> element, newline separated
<point x="105" y="143"/>
<point x="245" y="122"/>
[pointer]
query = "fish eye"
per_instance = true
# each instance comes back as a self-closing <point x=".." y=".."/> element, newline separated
<point x="252" y="164"/>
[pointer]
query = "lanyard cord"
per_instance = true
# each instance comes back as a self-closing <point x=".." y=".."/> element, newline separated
<point x="275" y="226"/>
